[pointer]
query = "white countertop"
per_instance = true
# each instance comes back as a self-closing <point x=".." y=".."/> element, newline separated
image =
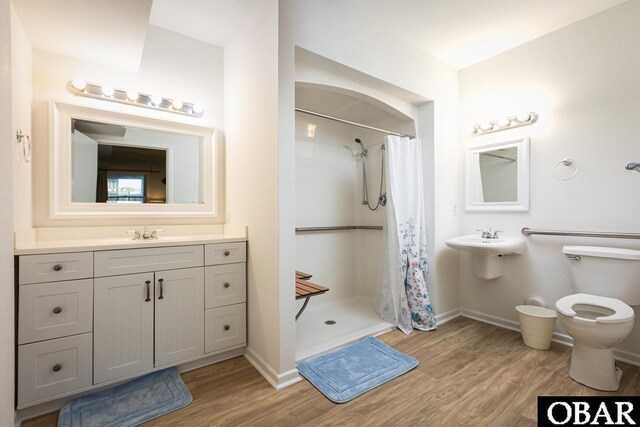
<point x="103" y="244"/>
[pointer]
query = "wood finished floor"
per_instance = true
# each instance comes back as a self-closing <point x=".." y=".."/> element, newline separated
<point x="470" y="373"/>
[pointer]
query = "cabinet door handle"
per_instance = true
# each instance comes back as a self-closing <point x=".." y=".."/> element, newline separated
<point x="227" y="327"/>
<point x="57" y="310"/>
<point x="226" y="285"/>
<point x="56" y="367"/>
<point x="57" y="267"/>
<point x="227" y="253"/>
<point x="161" y="281"/>
<point x="148" y="283"/>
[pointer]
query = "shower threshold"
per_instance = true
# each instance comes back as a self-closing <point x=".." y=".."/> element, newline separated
<point x="334" y="324"/>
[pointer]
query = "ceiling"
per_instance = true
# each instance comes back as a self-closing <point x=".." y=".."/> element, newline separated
<point x="105" y="32"/>
<point x="458" y="32"/>
<point x="463" y="32"/>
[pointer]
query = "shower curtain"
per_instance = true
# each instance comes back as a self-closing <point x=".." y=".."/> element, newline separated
<point x="402" y="296"/>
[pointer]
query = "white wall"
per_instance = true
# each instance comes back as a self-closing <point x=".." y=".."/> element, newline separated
<point x="326" y="30"/>
<point x="21" y="71"/>
<point x="7" y="138"/>
<point x="583" y="82"/>
<point x="329" y="192"/>
<point x="252" y="144"/>
<point x="173" y="65"/>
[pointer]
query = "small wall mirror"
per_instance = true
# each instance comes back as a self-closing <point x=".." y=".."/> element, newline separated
<point x="497" y="176"/>
<point x="106" y="163"/>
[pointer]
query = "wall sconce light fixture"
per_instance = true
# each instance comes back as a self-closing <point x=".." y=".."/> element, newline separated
<point x="505" y="123"/>
<point x="131" y="97"/>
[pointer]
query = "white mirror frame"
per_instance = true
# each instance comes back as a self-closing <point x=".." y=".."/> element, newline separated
<point x="60" y="205"/>
<point x="522" y="204"/>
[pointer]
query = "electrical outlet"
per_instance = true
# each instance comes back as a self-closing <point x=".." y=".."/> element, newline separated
<point x="454" y="210"/>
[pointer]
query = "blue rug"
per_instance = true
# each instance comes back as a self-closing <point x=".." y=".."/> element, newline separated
<point x="129" y="404"/>
<point x="350" y="371"/>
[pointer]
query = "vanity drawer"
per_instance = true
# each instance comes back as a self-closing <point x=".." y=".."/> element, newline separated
<point x="49" y="368"/>
<point x="225" y="253"/>
<point x="225" y="327"/>
<point x="128" y="261"/>
<point x="55" y="267"/>
<point x="225" y="284"/>
<point x="54" y="310"/>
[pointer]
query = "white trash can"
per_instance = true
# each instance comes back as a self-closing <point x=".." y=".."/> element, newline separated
<point x="536" y="324"/>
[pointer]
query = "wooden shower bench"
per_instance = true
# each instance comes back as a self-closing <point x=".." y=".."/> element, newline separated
<point x="306" y="289"/>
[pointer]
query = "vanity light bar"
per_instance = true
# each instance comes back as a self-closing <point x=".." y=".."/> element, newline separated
<point x="130" y="97"/>
<point x="504" y="124"/>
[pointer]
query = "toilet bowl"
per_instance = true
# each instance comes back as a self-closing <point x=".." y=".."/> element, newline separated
<point x="596" y="324"/>
<point x="599" y="316"/>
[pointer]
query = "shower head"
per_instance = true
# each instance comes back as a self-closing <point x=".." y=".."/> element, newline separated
<point x="363" y="151"/>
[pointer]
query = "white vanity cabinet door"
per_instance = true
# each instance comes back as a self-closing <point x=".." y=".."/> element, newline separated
<point x="226" y="284"/>
<point x="55" y="267"/>
<point x="225" y="253"/>
<point x="123" y="326"/>
<point x="50" y="368"/>
<point x="54" y="310"/>
<point x="225" y="327"/>
<point x="179" y="305"/>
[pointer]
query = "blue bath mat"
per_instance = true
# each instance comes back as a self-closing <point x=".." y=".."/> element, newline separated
<point x="350" y="371"/>
<point x="128" y="404"/>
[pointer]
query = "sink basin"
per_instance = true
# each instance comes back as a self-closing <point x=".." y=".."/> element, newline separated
<point x="488" y="254"/>
<point x="504" y="245"/>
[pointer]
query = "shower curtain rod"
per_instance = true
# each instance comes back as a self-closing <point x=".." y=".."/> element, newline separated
<point x="349" y="122"/>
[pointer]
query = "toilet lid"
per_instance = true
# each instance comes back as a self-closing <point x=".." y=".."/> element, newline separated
<point x="622" y="311"/>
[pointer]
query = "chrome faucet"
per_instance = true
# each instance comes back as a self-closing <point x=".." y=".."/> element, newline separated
<point x="146" y="234"/>
<point x="489" y="234"/>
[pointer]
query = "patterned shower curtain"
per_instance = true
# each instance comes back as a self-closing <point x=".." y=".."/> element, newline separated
<point x="402" y="296"/>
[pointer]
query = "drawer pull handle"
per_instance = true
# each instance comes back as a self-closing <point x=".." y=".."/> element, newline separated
<point x="57" y="267"/>
<point x="57" y="367"/>
<point x="226" y="285"/>
<point x="227" y="327"/>
<point x="161" y="281"/>
<point x="227" y="253"/>
<point x="57" y="310"/>
<point x="148" y="283"/>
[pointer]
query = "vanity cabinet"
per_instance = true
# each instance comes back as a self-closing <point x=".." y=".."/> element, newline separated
<point x="130" y="312"/>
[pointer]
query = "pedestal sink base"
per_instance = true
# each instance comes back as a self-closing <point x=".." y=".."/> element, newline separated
<point x="487" y="266"/>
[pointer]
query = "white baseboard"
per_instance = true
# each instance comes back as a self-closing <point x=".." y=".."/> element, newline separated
<point x="277" y="381"/>
<point x="445" y="317"/>
<point x="560" y="338"/>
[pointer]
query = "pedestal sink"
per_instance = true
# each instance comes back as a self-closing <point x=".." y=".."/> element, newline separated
<point x="487" y="253"/>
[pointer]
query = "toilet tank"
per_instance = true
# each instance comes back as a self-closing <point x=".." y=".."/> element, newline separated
<point x="607" y="272"/>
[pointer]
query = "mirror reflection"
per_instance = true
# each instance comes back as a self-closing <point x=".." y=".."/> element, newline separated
<point x="498" y="173"/>
<point x="120" y="164"/>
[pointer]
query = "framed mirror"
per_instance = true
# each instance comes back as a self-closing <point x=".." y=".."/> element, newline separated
<point x="497" y="176"/>
<point x="105" y="163"/>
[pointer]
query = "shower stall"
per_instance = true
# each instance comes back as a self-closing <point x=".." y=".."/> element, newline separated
<point x="340" y="221"/>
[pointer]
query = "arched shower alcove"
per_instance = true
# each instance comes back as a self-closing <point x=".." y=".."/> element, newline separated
<point x="329" y="184"/>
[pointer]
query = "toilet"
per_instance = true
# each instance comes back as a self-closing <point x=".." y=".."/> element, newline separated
<point x="598" y="316"/>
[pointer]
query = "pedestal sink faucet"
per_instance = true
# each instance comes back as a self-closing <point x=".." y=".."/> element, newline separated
<point x="488" y="234"/>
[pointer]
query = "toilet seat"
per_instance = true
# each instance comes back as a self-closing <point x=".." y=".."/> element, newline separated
<point x="622" y="312"/>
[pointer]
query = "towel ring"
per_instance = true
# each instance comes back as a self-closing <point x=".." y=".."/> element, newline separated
<point x="25" y="140"/>
<point x="566" y="162"/>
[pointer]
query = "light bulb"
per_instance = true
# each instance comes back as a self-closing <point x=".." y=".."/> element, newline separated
<point x="311" y="130"/>
<point x="197" y="109"/>
<point x="177" y="104"/>
<point x="503" y="123"/>
<point x="132" y="95"/>
<point x="155" y="100"/>
<point x="523" y="117"/>
<point x="107" y="91"/>
<point x="79" y="84"/>
<point x="486" y="126"/>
